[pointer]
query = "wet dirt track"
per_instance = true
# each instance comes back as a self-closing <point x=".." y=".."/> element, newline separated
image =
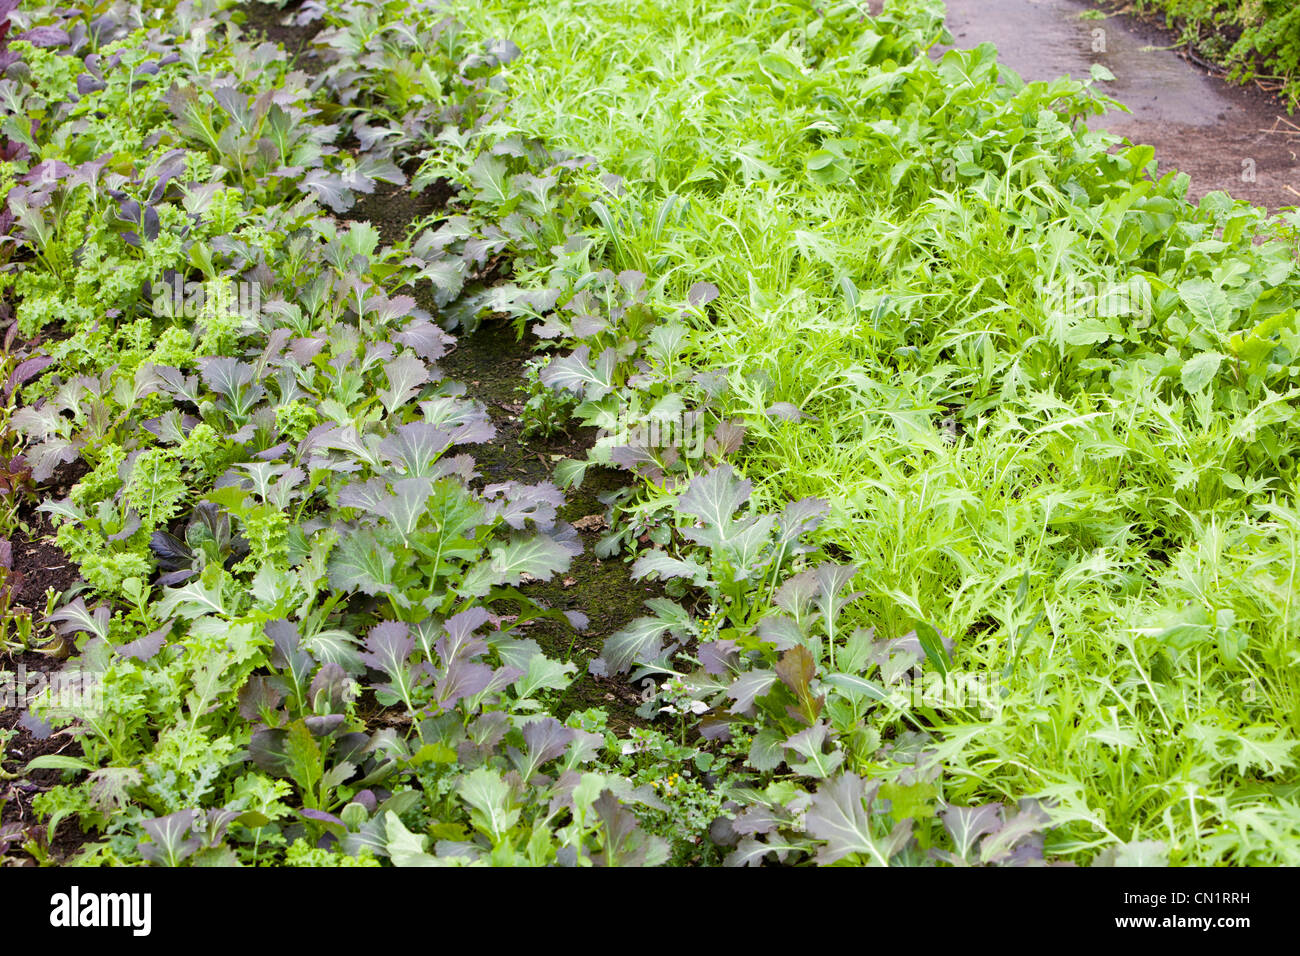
<point x="1225" y="137"/>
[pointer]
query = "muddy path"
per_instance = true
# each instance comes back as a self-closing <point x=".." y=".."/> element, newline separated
<point x="1225" y="137"/>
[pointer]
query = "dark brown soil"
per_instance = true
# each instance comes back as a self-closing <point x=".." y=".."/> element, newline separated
<point x="1253" y="125"/>
<point x="266" y="19"/>
<point x="392" y="209"/>
<point x="490" y="364"/>
<point x="37" y="565"/>
<point x="38" y="559"/>
<point x="18" y="789"/>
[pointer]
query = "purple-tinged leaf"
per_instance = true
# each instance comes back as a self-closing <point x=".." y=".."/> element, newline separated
<point x="75" y="616"/>
<point x="367" y="496"/>
<point x="588" y="326"/>
<point x="458" y="466"/>
<point x="799" y="518"/>
<point x="407" y="504"/>
<point x="176" y="384"/>
<point x="1027" y="823"/>
<point x="447" y="276"/>
<point x="796" y="594"/>
<point x="168" y="167"/>
<point x="362" y="562"/>
<point x="726" y="439"/>
<point x="226" y="376"/>
<point x="544" y="739"/>
<point x="666" y="566"/>
<point x="785" y="411"/>
<point x="637" y="459"/>
<point x="714" y="497"/>
<point x="388" y="648"/>
<point x="539" y="556"/>
<point x="503" y="50"/>
<point x="415" y="448"/>
<point x="331" y="687"/>
<point x="718" y="657"/>
<point x="459" y="641"/>
<point x="517" y="503"/>
<point x="463" y="679"/>
<point x="46" y="457"/>
<point x="575" y="373"/>
<point x="839" y="817"/>
<point x="640" y="641"/>
<point x="325" y="725"/>
<point x="130" y="525"/>
<point x="485" y="732"/>
<point x="831" y="581"/>
<point x="303" y="349"/>
<point x="781" y="632"/>
<point x="625" y="843"/>
<point x="748" y="687"/>
<point x="35" y="726"/>
<point x="965" y="825"/>
<point x="257" y="695"/>
<point x="1136" y="853"/>
<point x="425" y="339"/>
<point x="46" y="37"/>
<point x="172" y="842"/>
<point x="329" y="189"/>
<point x="701" y="294"/>
<point x="147" y="647"/>
<point x="631" y="280"/>
<point x="331" y="822"/>
<point x="287" y="652"/>
<point x="47" y="172"/>
<point x="383" y="309"/>
<point x="811" y="745"/>
<point x="759" y="819"/>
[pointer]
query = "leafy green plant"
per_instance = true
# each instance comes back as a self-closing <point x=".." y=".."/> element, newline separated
<point x="545" y="412"/>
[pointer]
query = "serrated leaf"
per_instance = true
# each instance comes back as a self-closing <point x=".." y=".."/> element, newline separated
<point x="838" y="816"/>
<point x="966" y="825"/>
<point x="406" y="374"/>
<point x="362" y="562"/>
<point x="714" y="497"/>
<point x="491" y="808"/>
<point x="641" y="641"/>
<point x="539" y="556"/>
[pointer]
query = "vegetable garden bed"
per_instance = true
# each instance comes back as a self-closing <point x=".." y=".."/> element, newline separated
<point x="572" y="433"/>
